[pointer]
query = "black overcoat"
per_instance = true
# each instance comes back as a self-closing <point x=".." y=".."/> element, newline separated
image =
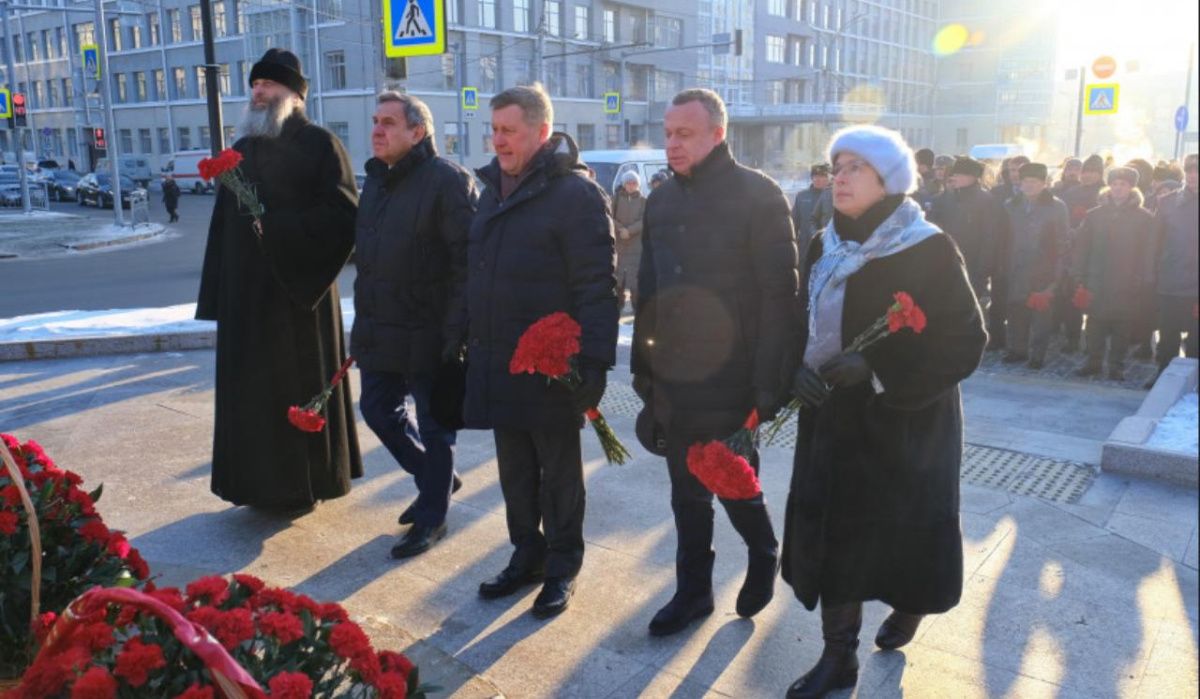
<point x="977" y="223"/>
<point x="873" y="508"/>
<point x="716" y="294"/>
<point x="548" y="247"/>
<point x="279" y="322"/>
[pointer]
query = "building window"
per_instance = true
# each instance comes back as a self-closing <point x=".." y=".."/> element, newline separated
<point x="164" y="140"/>
<point x="180" y="84"/>
<point x="72" y="143"/>
<point x="52" y="89"/>
<point x="122" y="87"/>
<point x="244" y="78"/>
<point x="585" y="134"/>
<point x="145" y="141"/>
<point x="51" y="47"/>
<point x="556" y="78"/>
<point x="487" y="14"/>
<point x="452" y="13"/>
<point x="775" y="91"/>
<point x="341" y="129"/>
<point x="239" y="9"/>
<point x="489" y="64"/>
<point x="205" y="138"/>
<point x="139" y="84"/>
<point x="160" y="85"/>
<point x="583" y="22"/>
<point x="35" y="47"/>
<point x="114" y="34"/>
<point x="201" y="83"/>
<point x="584" y="83"/>
<point x="778" y="8"/>
<point x="521" y="16"/>
<point x="668" y="32"/>
<point x="126" y="140"/>
<point x="552" y="16"/>
<point x="185" y="138"/>
<point x="230" y="133"/>
<point x="335" y="64"/>
<point x="220" y="23"/>
<point x="197" y="24"/>
<point x="612" y="135"/>
<point x="135" y="35"/>
<point x="223" y="78"/>
<point x="155" y="30"/>
<point x="774" y="49"/>
<point x="176" y="24"/>
<point x="68" y="91"/>
<point x="450" y="134"/>
<point x="85" y="33"/>
<point x="610" y="26"/>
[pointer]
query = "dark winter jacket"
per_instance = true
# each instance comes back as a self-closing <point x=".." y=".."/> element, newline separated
<point x="717" y="286"/>
<point x="1114" y="258"/>
<point x="548" y="247"/>
<point x="803" y="215"/>
<point x="1033" y="247"/>
<point x="873" y="510"/>
<point x="976" y="223"/>
<point x="411" y="258"/>
<point x="1177" y="247"/>
<point x="1081" y="199"/>
<point x="279" y="321"/>
<point x="170" y="191"/>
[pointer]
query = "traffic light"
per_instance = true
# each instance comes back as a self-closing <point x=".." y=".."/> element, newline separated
<point x="18" y="110"/>
<point x="737" y="42"/>
<point x="98" y="138"/>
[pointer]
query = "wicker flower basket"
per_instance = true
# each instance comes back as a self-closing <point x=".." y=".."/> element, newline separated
<point x="35" y="536"/>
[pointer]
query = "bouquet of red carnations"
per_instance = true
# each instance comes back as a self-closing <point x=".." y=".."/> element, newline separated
<point x="724" y="466"/>
<point x="308" y="418"/>
<point x="1039" y="301"/>
<point x="903" y="313"/>
<point x="1083" y="298"/>
<point x="550" y="347"/>
<point x="225" y="167"/>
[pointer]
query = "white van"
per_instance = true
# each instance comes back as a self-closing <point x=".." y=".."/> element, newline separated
<point x="184" y="166"/>
<point x="136" y="167"/>
<point x="611" y="165"/>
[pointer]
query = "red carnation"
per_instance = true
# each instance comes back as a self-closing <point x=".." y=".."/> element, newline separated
<point x="905" y="313"/>
<point x="307" y="418"/>
<point x="725" y="473"/>
<point x="96" y="683"/>
<point x="137" y="565"/>
<point x="10" y="496"/>
<point x="196" y="692"/>
<point x="290" y="685"/>
<point x="392" y="685"/>
<point x="249" y="582"/>
<point x="349" y="641"/>
<point x="1083" y="298"/>
<point x="42" y="626"/>
<point x="233" y="627"/>
<point x="94" y="531"/>
<point x="119" y="546"/>
<point x="391" y="661"/>
<point x="1039" y="300"/>
<point x="227" y="160"/>
<point x="95" y="636"/>
<point x="136" y="660"/>
<point x="8" y="522"/>
<point x="213" y="589"/>
<point x="331" y="611"/>
<point x="547" y="346"/>
<point x="169" y="596"/>
<point x="284" y="626"/>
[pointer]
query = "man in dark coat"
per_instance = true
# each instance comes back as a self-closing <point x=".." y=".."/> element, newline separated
<point x="1176" y="265"/>
<point x="275" y="300"/>
<point x="171" y="198"/>
<point x="1085" y="196"/>
<point x="1081" y="197"/>
<point x="541" y="243"/>
<point x="1113" y="263"/>
<point x="1069" y="177"/>
<point x="711" y="336"/>
<point x="1031" y="264"/>
<point x="409" y="307"/>
<point x="805" y="207"/>
<point x="971" y="216"/>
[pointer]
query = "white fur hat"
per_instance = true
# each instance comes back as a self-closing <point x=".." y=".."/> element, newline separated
<point x="884" y="149"/>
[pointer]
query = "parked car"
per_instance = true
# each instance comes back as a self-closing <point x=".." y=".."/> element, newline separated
<point x="611" y="165"/>
<point x="96" y="190"/>
<point x="60" y="184"/>
<point x="10" y="190"/>
<point x="184" y="166"/>
<point x="134" y="166"/>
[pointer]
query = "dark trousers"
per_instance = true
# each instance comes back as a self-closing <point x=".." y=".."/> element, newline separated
<point x="1028" y="330"/>
<point x="1100" y="333"/>
<point x="173" y="212"/>
<point x="1066" y="315"/>
<point x="692" y="504"/>
<point x="1175" y="317"/>
<point x="997" y="315"/>
<point x="418" y="443"/>
<point x="541" y="476"/>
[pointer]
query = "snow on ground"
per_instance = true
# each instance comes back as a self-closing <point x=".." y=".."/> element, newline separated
<point x="1176" y="430"/>
<point x="67" y="325"/>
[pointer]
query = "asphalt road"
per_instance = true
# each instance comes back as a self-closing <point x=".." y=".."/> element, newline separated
<point x="145" y="275"/>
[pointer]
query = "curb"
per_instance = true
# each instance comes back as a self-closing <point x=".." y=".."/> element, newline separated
<point x="81" y="247"/>
<point x="1126" y="451"/>
<point x="96" y="346"/>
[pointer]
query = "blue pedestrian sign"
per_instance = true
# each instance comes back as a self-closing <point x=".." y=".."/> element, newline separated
<point x="1102" y="99"/>
<point x="414" y="27"/>
<point x="91" y="60"/>
<point x="5" y="103"/>
<point x="612" y="102"/>
<point x="470" y="98"/>
<point x="1181" y="119"/>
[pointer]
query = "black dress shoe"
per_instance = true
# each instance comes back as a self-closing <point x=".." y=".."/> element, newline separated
<point x="408" y="516"/>
<point x="759" y="586"/>
<point x="838" y="666"/>
<point x="554" y="597"/>
<point x="508" y="582"/>
<point x="418" y="540"/>
<point x="897" y="630"/>
<point x="679" y="612"/>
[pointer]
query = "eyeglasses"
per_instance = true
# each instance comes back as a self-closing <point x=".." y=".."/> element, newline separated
<point x="851" y="168"/>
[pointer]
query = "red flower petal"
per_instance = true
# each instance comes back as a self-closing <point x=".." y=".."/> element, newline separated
<point x="305" y="420"/>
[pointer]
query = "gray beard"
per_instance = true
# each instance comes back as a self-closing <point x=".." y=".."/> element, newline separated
<point x="267" y="120"/>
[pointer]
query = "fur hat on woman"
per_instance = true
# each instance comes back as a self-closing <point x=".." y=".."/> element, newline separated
<point x="884" y="150"/>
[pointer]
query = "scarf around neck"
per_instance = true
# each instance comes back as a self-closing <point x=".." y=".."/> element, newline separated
<point x="840" y="259"/>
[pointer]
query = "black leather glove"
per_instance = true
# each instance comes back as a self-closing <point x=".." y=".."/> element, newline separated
<point x="846" y="370"/>
<point x="767" y="404"/>
<point x="808" y="387"/>
<point x="452" y="351"/>
<point x="643" y="387"/>
<point x="591" y="390"/>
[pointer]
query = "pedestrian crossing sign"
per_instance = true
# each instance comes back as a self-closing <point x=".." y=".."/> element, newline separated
<point x="612" y="102"/>
<point x="1102" y="99"/>
<point x="91" y="60"/>
<point x="5" y="103"/>
<point x="414" y="27"/>
<point x="470" y="98"/>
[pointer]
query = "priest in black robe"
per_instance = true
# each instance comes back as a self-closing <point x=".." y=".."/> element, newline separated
<point x="272" y="290"/>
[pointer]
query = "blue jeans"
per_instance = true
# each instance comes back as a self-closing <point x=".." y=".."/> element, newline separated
<point x="418" y="443"/>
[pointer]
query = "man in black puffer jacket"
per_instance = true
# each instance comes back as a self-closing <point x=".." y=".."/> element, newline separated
<point x="714" y="327"/>
<point x="411" y="242"/>
<point x="542" y="242"/>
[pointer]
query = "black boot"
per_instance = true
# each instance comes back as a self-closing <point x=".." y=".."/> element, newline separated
<point x="897" y="630"/>
<point x="750" y="519"/>
<point x="838" y="666"/>
<point x="684" y="608"/>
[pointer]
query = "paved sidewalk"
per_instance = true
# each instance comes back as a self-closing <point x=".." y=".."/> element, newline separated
<point x="1092" y="595"/>
<point x="41" y="234"/>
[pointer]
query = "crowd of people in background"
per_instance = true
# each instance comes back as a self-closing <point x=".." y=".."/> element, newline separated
<point x="1116" y="245"/>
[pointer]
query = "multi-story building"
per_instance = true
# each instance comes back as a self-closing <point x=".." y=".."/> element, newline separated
<point x="807" y="67"/>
